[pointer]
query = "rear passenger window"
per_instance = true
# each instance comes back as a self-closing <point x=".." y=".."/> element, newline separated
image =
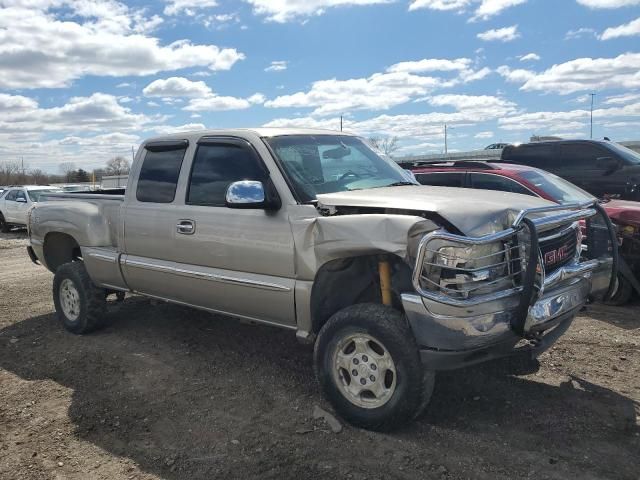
<point x="215" y="167"/>
<point x="542" y="156"/>
<point x="441" y="179"/>
<point x="11" y="196"/>
<point x="159" y="174"/>
<point x="581" y="155"/>
<point x="483" y="181"/>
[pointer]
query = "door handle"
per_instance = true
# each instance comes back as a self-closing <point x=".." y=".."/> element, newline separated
<point x="186" y="227"/>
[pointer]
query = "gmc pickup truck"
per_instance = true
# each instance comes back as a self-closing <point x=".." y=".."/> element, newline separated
<point x="313" y="231"/>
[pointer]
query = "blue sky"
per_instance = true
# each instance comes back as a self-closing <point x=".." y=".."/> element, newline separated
<point x="84" y="80"/>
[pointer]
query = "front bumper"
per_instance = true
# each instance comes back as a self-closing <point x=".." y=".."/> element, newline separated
<point x="529" y="318"/>
<point x="454" y="341"/>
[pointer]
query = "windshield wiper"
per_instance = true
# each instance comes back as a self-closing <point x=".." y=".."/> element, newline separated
<point x="400" y="184"/>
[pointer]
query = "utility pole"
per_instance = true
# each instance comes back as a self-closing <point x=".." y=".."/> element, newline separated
<point x="592" y="97"/>
<point x="340" y="122"/>
<point x="133" y="155"/>
<point x="22" y="159"/>
<point x="445" y="139"/>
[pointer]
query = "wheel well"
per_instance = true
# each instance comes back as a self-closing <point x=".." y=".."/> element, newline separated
<point x="60" y="248"/>
<point x="349" y="281"/>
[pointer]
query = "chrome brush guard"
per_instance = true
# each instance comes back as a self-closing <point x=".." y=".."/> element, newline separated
<point x="526" y="275"/>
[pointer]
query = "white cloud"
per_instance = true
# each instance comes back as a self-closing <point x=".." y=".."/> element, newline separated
<point x="468" y="111"/>
<point x="187" y="7"/>
<point x="380" y="91"/>
<point x="485" y="10"/>
<point x="583" y="74"/>
<point x="608" y="3"/>
<point x="490" y="8"/>
<point x="479" y="105"/>
<point x="96" y="112"/>
<point x="622" y="99"/>
<point x="580" y="33"/>
<point x="187" y="127"/>
<point x="203" y="98"/>
<point x="572" y="120"/>
<point x="530" y="57"/>
<point x="625" y="30"/>
<point x="431" y="65"/>
<point x="505" y="34"/>
<point x="217" y="103"/>
<point x="107" y="139"/>
<point x="42" y="47"/>
<point x="282" y="11"/>
<point x="12" y="103"/>
<point x="484" y="135"/>
<point x="176" y="87"/>
<point x="519" y="75"/>
<point x="439" y="4"/>
<point x="277" y="66"/>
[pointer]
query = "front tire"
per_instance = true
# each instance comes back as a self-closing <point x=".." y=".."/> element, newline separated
<point x="80" y="305"/>
<point x="623" y="292"/>
<point x="4" y="226"/>
<point x="368" y="365"/>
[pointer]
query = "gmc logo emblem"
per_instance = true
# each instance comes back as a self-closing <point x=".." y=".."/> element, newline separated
<point x="555" y="256"/>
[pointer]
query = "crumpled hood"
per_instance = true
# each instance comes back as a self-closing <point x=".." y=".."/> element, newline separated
<point x="473" y="212"/>
<point x="624" y="212"/>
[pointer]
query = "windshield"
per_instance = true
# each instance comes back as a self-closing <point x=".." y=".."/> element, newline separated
<point x="318" y="164"/>
<point x="557" y="188"/>
<point x="629" y="155"/>
<point x="34" y="195"/>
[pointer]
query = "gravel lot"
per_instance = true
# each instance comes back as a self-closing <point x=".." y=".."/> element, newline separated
<point x="169" y="393"/>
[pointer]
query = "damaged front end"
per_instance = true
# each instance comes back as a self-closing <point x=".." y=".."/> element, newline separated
<point x="478" y="298"/>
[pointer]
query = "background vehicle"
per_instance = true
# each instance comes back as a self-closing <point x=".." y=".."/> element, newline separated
<point x="602" y="168"/>
<point x="16" y="202"/>
<point x="496" y="146"/>
<point x="312" y="231"/>
<point x="532" y="181"/>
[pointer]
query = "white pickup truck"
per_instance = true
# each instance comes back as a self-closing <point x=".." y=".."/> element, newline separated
<point x="313" y="231"/>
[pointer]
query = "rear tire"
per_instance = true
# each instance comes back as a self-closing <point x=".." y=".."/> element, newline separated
<point x="623" y="292"/>
<point x="368" y="365"/>
<point x="80" y="305"/>
<point x="4" y="226"/>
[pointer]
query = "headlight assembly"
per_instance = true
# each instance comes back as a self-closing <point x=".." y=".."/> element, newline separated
<point x="462" y="271"/>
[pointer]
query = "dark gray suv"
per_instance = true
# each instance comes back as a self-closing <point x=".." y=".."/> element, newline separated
<point x="602" y="168"/>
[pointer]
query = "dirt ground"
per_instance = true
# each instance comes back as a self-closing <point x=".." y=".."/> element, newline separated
<point x="169" y="393"/>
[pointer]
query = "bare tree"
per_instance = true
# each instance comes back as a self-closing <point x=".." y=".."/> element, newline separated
<point x="67" y="169"/>
<point x="38" y="177"/>
<point x="10" y="173"/>
<point x="117" y="166"/>
<point x="387" y="145"/>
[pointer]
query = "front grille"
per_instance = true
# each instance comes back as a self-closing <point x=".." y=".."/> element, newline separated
<point x="559" y="250"/>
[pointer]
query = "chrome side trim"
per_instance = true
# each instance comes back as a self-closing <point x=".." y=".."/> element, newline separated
<point x="220" y="312"/>
<point x="104" y="257"/>
<point x="148" y="266"/>
<point x="214" y="277"/>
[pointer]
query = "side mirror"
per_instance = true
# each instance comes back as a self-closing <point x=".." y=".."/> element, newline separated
<point x="248" y="194"/>
<point x="21" y="200"/>
<point x="608" y="164"/>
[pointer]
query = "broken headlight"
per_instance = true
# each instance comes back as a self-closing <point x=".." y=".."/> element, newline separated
<point x="462" y="271"/>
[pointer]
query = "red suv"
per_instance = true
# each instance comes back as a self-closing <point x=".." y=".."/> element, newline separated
<point x="525" y="180"/>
